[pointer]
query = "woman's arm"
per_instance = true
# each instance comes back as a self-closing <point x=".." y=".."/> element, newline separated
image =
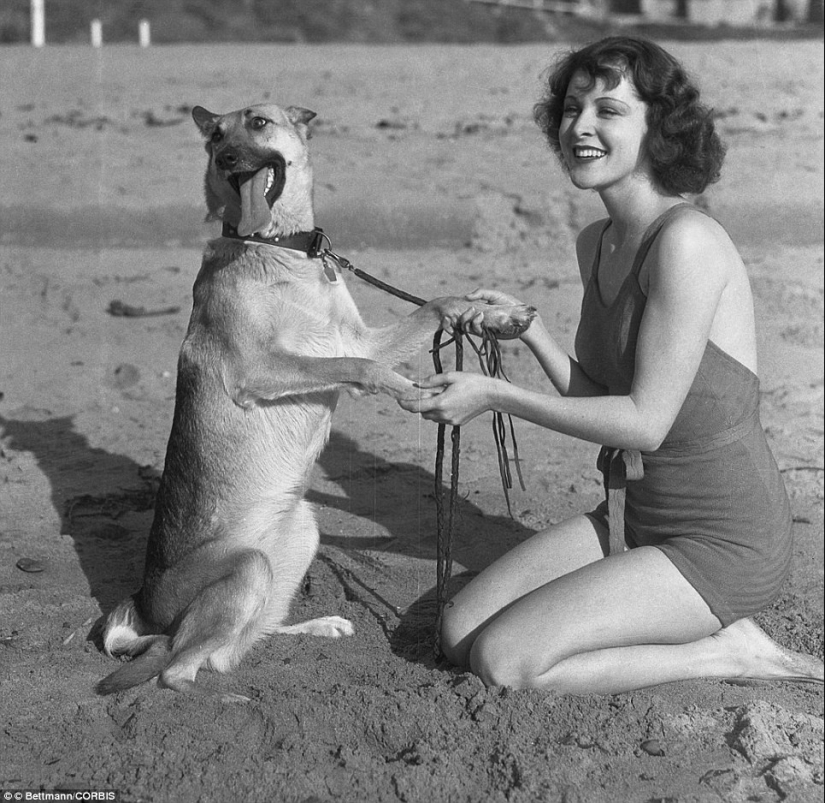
<point x="688" y="272"/>
<point x="562" y="370"/>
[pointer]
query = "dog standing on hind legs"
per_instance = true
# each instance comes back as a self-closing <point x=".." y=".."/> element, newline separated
<point x="273" y="337"/>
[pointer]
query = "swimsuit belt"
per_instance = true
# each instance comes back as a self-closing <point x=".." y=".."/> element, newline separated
<point x="716" y="441"/>
<point x="618" y="467"/>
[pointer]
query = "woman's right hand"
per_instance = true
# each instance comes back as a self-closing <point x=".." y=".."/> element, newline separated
<point x="493" y="297"/>
<point x="510" y="319"/>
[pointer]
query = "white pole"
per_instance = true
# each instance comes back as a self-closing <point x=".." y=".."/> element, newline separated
<point x="143" y="33"/>
<point x="38" y="23"/>
<point x="97" y="33"/>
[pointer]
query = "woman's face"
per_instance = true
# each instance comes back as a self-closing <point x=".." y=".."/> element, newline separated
<point x="602" y="133"/>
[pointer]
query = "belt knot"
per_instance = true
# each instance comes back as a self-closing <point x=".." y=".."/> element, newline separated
<point x="618" y="467"/>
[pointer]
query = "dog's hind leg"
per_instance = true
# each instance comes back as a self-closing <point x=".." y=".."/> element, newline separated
<point x="220" y="624"/>
<point x="299" y="540"/>
<point x="126" y="633"/>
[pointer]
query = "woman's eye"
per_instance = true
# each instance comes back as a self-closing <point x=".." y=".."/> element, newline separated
<point x="570" y="111"/>
<point x="258" y="122"/>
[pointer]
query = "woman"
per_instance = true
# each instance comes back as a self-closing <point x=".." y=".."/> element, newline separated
<point x="665" y="375"/>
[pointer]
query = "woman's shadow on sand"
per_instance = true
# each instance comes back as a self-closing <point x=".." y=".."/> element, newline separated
<point x="105" y="503"/>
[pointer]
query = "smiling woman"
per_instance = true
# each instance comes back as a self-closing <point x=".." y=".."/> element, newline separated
<point x="657" y="583"/>
<point x="602" y="127"/>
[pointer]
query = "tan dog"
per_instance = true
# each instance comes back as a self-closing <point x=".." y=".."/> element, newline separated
<point x="273" y="337"/>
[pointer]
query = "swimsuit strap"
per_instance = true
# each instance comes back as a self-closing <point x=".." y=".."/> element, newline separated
<point x="594" y="269"/>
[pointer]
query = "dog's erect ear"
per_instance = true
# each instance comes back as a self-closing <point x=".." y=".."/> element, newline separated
<point x="205" y="120"/>
<point x="298" y="116"/>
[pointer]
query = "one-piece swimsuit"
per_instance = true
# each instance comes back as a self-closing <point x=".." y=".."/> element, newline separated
<point x="711" y="497"/>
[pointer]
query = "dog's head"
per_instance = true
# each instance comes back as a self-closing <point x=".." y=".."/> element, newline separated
<point x="258" y="177"/>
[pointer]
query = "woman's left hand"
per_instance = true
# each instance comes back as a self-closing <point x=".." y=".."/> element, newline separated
<point x="454" y="397"/>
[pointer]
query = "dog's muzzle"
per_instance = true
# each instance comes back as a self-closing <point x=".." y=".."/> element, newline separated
<point x="257" y="190"/>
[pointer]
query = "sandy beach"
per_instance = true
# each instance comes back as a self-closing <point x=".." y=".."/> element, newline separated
<point x="431" y="175"/>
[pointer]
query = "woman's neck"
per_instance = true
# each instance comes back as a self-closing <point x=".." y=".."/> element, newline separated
<point x="634" y="209"/>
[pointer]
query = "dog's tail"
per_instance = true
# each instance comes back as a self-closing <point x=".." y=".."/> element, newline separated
<point x="147" y="665"/>
<point x="126" y="633"/>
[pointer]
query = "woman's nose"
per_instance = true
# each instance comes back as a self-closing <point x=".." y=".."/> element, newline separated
<point x="582" y="123"/>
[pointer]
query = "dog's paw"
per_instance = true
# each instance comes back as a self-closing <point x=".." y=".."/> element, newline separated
<point x="378" y="378"/>
<point x="331" y="627"/>
<point x="508" y="321"/>
<point x="235" y="699"/>
<point x="326" y="626"/>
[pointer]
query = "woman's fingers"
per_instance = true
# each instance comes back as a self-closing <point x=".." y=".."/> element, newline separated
<point x="471" y="321"/>
<point x="491" y="297"/>
<point x="433" y="381"/>
<point x="447" y="325"/>
<point x="480" y="294"/>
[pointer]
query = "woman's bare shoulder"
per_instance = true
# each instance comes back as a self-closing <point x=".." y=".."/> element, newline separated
<point x="692" y="237"/>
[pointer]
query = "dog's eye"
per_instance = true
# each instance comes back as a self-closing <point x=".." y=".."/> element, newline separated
<point x="258" y="122"/>
<point x="217" y="135"/>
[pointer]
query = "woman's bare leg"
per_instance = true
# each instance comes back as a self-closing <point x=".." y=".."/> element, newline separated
<point x="547" y="555"/>
<point x="552" y="614"/>
<point x="623" y="623"/>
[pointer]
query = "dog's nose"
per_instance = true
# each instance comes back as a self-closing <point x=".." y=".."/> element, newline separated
<point x="227" y="159"/>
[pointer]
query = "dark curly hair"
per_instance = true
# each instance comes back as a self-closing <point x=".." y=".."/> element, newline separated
<point x="685" y="151"/>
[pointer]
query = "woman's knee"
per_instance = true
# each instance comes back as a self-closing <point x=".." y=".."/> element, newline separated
<point x="455" y="634"/>
<point x="498" y="662"/>
<point x="460" y="626"/>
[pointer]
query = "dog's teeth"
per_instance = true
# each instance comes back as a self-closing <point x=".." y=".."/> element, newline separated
<point x="270" y="179"/>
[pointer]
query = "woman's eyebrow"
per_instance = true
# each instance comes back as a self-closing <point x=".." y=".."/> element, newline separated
<point x="613" y="99"/>
<point x="576" y="96"/>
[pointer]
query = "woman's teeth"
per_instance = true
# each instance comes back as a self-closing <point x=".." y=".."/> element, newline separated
<point x="588" y="153"/>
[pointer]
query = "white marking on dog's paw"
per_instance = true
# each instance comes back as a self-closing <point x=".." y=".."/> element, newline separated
<point x="327" y="626"/>
<point x="235" y="699"/>
<point x="337" y="626"/>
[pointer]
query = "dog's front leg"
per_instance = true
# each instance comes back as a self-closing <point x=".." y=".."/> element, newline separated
<point x="281" y="375"/>
<point x="395" y="343"/>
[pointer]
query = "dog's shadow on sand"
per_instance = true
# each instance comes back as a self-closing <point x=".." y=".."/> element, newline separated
<point x="397" y="500"/>
<point x="105" y="503"/>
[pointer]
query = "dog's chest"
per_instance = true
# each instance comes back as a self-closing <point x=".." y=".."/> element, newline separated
<point x="314" y="317"/>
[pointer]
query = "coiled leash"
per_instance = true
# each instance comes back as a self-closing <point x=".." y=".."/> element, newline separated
<point x="317" y="245"/>
<point x="489" y="357"/>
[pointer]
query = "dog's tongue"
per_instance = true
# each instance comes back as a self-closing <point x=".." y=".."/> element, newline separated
<point x="255" y="214"/>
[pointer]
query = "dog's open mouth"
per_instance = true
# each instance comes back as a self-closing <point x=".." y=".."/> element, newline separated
<point x="258" y="191"/>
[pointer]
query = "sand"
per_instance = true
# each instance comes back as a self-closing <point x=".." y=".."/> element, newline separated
<point x="431" y="175"/>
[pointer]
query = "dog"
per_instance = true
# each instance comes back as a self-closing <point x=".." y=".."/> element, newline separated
<point x="274" y="337"/>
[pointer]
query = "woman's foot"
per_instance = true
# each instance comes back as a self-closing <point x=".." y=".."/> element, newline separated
<point x="759" y="657"/>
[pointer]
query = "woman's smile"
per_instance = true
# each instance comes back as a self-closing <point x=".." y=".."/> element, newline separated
<point x="588" y="153"/>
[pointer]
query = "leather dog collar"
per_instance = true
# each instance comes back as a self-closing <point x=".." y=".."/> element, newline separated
<point x="309" y="242"/>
